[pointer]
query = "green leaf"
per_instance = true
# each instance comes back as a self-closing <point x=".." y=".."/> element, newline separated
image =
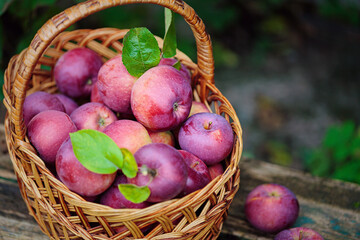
<point x="96" y="151"/>
<point x="130" y="167"/>
<point x="169" y="45"/>
<point x="140" y="52"/>
<point x="134" y="193"/>
<point x="177" y="65"/>
<point x="349" y="172"/>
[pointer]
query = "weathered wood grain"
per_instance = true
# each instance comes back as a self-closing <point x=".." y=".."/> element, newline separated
<point x="328" y="206"/>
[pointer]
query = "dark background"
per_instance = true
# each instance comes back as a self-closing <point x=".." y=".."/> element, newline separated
<point x="290" y="69"/>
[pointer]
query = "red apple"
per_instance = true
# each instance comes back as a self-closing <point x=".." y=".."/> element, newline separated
<point x="166" y="137"/>
<point x="208" y="136"/>
<point x="161" y="98"/>
<point x="128" y="134"/>
<point x="163" y="169"/>
<point x="197" y="107"/>
<point x="183" y="69"/>
<point x="114" y="198"/>
<point x="95" y="95"/>
<point x="298" y="233"/>
<point x="38" y="102"/>
<point x="93" y="115"/>
<point x="69" y="104"/>
<point x="76" y="177"/>
<point x="271" y="208"/>
<point x="216" y="170"/>
<point x="76" y="71"/>
<point x="47" y="131"/>
<point x="115" y="84"/>
<point x="198" y="173"/>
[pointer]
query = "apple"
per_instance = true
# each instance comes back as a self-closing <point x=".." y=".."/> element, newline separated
<point x="38" y="102"/>
<point x="115" y="84"/>
<point x="47" y="131"/>
<point x="93" y="115"/>
<point x="198" y="173"/>
<point x="76" y="71"/>
<point x="216" y="170"/>
<point x="128" y="134"/>
<point x="166" y="137"/>
<point x="163" y="169"/>
<point x="208" y="136"/>
<point x="69" y="104"/>
<point x="95" y="95"/>
<point x="183" y="69"/>
<point x="76" y="177"/>
<point x="197" y="107"/>
<point x="298" y="233"/>
<point x="114" y="198"/>
<point x="161" y="98"/>
<point x="271" y="208"/>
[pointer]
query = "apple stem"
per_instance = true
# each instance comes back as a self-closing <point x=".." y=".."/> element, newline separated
<point x="208" y="125"/>
<point x="148" y="171"/>
<point x="175" y="106"/>
<point x="89" y="81"/>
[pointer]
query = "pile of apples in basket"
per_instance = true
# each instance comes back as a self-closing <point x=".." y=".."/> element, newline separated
<point x="140" y="138"/>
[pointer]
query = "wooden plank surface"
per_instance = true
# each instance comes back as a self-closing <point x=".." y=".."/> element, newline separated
<point x="328" y="206"/>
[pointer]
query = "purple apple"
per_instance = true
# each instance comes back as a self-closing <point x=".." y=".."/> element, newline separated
<point x="163" y="169"/>
<point x="208" y="136"/>
<point x="76" y="177"/>
<point x="114" y="198"/>
<point x="76" y="71"/>
<point x="93" y="115"/>
<point x="128" y="134"/>
<point x="69" y="104"/>
<point x="166" y="137"/>
<point x="47" y="131"/>
<point x="298" y="233"/>
<point x="115" y="84"/>
<point x="38" y="102"/>
<point x="198" y="173"/>
<point x="197" y="107"/>
<point x="271" y="208"/>
<point x="216" y="170"/>
<point x="161" y="98"/>
<point x="183" y="69"/>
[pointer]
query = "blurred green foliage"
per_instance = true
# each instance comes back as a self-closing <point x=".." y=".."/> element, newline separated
<point x="339" y="155"/>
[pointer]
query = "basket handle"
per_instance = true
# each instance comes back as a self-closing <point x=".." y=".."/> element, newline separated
<point x="63" y="20"/>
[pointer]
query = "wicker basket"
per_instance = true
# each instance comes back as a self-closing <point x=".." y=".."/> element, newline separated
<point x="63" y="214"/>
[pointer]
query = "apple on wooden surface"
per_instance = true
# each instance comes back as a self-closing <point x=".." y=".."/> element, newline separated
<point x="93" y="115"/>
<point x="298" y="233"/>
<point x="208" y="136"/>
<point x="40" y="101"/>
<point x="271" y="208"/>
<point x="76" y="71"/>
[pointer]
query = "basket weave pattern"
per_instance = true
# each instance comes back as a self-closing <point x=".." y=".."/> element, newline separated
<point x="63" y="214"/>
